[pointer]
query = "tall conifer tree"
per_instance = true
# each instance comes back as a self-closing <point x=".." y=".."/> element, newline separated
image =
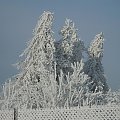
<point x="36" y="81"/>
<point x="93" y="66"/>
<point x="69" y="49"/>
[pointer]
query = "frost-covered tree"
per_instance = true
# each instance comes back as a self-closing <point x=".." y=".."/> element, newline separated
<point x="38" y="60"/>
<point x="69" y="49"/>
<point x="36" y="81"/>
<point x="93" y="66"/>
<point x="79" y="81"/>
<point x="73" y="91"/>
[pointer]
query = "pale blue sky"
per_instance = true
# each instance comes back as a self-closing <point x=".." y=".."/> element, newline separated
<point x="19" y="17"/>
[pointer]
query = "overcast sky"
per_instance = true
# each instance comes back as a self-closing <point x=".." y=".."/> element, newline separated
<point x="19" y="17"/>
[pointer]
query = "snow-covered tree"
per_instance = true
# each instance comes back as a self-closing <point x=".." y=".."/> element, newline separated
<point x="79" y="81"/>
<point x="93" y="66"/>
<point x="36" y="81"/>
<point x="39" y="59"/>
<point x="72" y="92"/>
<point x="69" y="49"/>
